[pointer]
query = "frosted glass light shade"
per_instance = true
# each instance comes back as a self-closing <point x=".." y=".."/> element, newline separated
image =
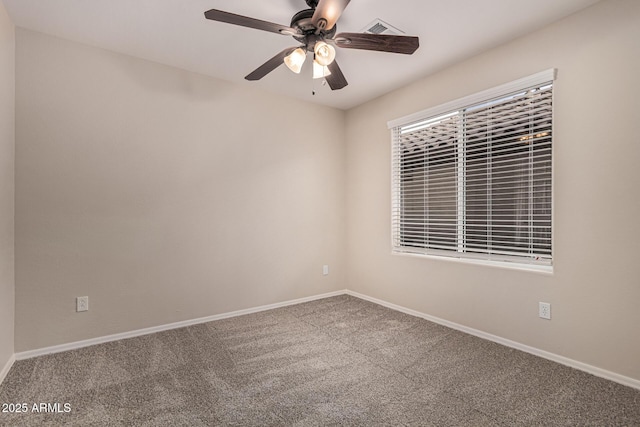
<point x="320" y="71"/>
<point x="325" y="53"/>
<point x="295" y="60"/>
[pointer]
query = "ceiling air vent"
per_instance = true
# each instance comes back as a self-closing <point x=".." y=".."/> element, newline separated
<point x="380" y="27"/>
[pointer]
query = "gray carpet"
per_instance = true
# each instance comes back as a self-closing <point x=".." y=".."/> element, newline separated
<point x="335" y="361"/>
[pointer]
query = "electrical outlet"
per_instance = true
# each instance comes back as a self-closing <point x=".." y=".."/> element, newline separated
<point x="544" y="310"/>
<point x="82" y="304"/>
<point x="325" y="270"/>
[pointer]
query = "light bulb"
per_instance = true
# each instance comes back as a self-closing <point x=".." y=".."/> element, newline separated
<point x="320" y="71"/>
<point x="295" y="60"/>
<point x="325" y="53"/>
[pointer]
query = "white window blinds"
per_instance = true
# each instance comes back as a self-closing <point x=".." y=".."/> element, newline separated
<point x="475" y="181"/>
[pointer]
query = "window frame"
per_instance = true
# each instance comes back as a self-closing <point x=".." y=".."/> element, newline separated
<point x="462" y="104"/>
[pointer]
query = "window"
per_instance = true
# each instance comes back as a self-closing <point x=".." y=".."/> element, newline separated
<point x="473" y="178"/>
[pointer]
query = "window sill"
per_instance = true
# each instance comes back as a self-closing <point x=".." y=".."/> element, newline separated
<point x="543" y="269"/>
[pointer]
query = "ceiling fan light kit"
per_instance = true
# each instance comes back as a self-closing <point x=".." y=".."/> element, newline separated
<point x="315" y="29"/>
<point x="295" y="60"/>
<point x="320" y="71"/>
<point x="324" y="53"/>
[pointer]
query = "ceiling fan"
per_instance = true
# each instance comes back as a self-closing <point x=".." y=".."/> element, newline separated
<point x="315" y="30"/>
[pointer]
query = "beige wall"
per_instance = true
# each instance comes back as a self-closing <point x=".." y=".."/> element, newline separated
<point x="7" y="115"/>
<point x="138" y="185"/>
<point x="163" y="195"/>
<point x="595" y="287"/>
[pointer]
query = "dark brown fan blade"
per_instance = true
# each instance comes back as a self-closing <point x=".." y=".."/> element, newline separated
<point x="270" y="65"/>
<point x="245" y="21"/>
<point x="336" y="79"/>
<point x="379" y="42"/>
<point x="327" y="13"/>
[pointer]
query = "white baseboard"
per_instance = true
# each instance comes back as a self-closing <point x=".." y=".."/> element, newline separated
<point x="621" y="379"/>
<point x="603" y="373"/>
<point x="115" y="337"/>
<point x="5" y="370"/>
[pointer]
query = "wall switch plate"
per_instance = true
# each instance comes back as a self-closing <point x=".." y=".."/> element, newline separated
<point x="544" y="310"/>
<point x="325" y="270"/>
<point x="82" y="304"/>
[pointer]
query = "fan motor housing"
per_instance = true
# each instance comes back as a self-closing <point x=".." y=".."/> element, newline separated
<point x="302" y="20"/>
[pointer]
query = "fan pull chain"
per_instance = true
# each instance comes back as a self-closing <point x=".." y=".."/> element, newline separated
<point x="313" y="87"/>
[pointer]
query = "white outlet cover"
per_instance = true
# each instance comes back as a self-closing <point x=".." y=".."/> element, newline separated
<point x="544" y="310"/>
<point x="82" y="304"/>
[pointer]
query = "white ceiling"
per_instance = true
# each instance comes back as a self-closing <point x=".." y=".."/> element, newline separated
<point x="175" y="32"/>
